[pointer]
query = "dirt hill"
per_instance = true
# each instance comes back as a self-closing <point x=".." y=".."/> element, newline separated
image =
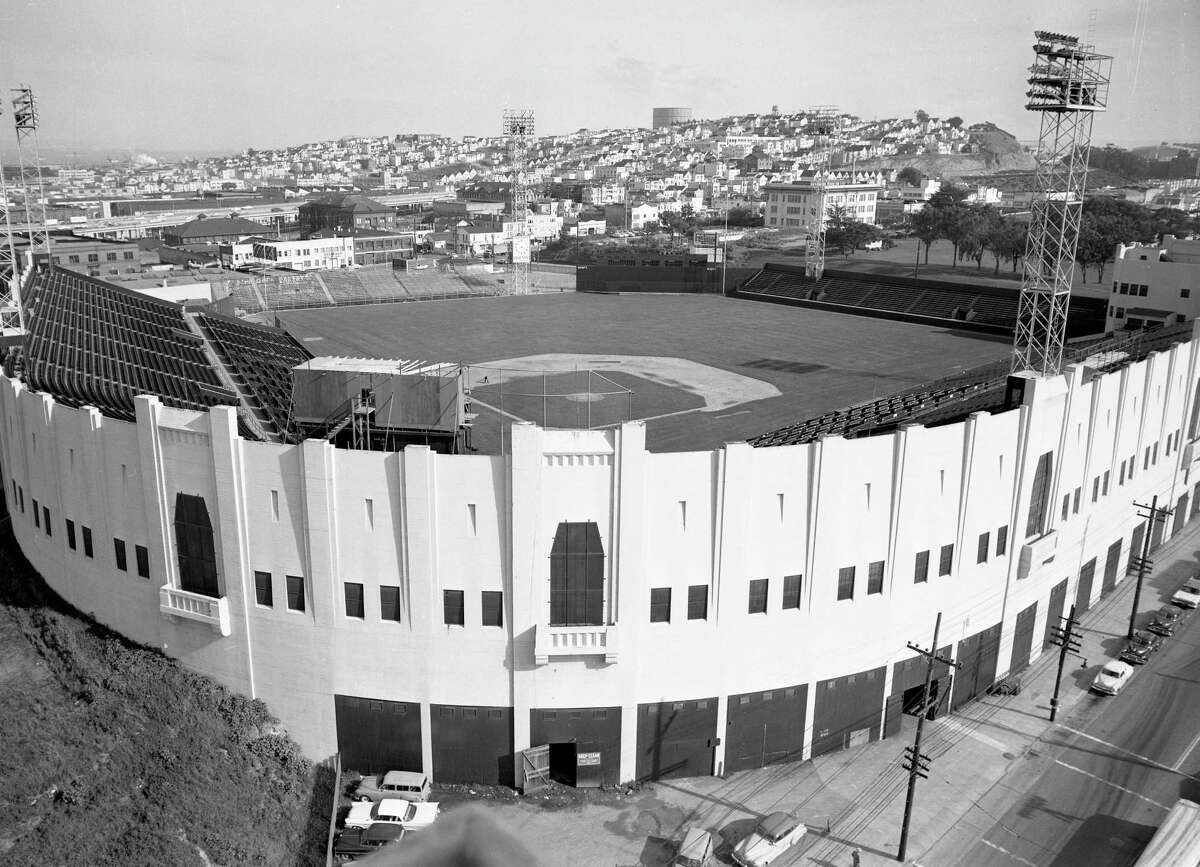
<point x="113" y="754"/>
<point x="999" y="151"/>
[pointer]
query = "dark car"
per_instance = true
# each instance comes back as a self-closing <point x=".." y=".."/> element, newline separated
<point x="1140" y="648"/>
<point x="354" y="841"/>
<point x="1165" y="621"/>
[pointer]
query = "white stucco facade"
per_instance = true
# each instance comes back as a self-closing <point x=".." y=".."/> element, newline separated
<point x="428" y="522"/>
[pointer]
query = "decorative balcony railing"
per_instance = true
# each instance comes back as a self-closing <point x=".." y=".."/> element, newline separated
<point x="195" y="606"/>
<point x="551" y="641"/>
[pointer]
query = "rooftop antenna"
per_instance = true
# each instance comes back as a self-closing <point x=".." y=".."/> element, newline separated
<point x="1068" y="84"/>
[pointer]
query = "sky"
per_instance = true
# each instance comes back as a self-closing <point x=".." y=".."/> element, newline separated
<point x="205" y="76"/>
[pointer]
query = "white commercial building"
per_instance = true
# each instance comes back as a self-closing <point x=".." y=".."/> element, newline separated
<point x="794" y="205"/>
<point x="1154" y="284"/>
<point x="307" y="255"/>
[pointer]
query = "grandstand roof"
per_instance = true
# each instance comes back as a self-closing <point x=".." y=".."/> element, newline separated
<point x="209" y="227"/>
<point x="93" y="343"/>
<point x="356" y="202"/>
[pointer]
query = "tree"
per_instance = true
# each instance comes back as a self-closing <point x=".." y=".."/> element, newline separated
<point x="845" y="232"/>
<point x="955" y="122"/>
<point x="1006" y="240"/>
<point x="910" y="175"/>
<point x="977" y="223"/>
<point x="949" y="194"/>
<point x="927" y="227"/>
<point x="921" y="115"/>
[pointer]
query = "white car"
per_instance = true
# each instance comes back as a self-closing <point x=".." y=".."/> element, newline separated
<point x="1113" y="677"/>
<point x="1188" y="596"/>
<point x="410" y="815"/>
<point x="771" y="837"/>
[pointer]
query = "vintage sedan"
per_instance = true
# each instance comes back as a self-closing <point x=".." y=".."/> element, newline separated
<point x="1165" y="622"/>
<point x="1112" y="677"/>
<point x="409" y="815"/>
<point x="1140" y="648"/>
<point x="770" y="838"/>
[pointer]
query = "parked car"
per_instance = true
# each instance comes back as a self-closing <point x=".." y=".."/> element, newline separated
<point x="770" y="838"/>
<point x="696" y="850"/>
<point x="410" y="815"/>
<point x="1113" y="677"/>
<point x="1165" y="621"/>
<point x="407" y="785"/>
<point x="1140" y="648"/>
<point x="1188" y="596"/>
<point x="363" y="841"/>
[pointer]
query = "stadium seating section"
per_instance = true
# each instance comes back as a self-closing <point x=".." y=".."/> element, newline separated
<point x="93" y="343"/>
<point x="994" y="309"/>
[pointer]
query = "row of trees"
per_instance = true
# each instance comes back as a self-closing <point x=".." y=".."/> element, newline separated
<point x="976" y="230"/>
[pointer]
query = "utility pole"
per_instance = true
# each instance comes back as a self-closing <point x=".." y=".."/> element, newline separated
<point x="916" y="763"/>
<point x="1143" y="561"/>
<point x="1067" y="638"/>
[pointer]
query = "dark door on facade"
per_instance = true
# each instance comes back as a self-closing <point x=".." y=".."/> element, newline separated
<point x="1180" y="515"/>
<point x="577" y="575"/>
<point x="977" y="657"/>
<point x="1023" y="639"/>
<point x="847" y="711"/>
<point x="1054" y="610"/>
<point x="1135" y="546"/>
<point x="676" y="739"/>
<point x="1156" y="536"/>
<point x="1083" y="590"/>
<point x="908" y="689"/>
<point x="593" y="732"/>
<point x="194" y="544"/>
<point x="472" y="744"/>
<point x="374" y="735"/>
<point x="1112" y="562"/>
<point x="765" y="727"/>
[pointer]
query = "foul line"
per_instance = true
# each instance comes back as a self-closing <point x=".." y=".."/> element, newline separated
<point x="1114" y="785"/>
<point x="1001" y="849"/>
<point x="1190" y="747"/>
<point x="1138" y="756"/>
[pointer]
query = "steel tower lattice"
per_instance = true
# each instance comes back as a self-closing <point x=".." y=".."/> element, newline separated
<point x="12" y="314"/>
<point x="519" y="129"/>
<point x="822" y="121"/>
<point x="1068" y="85"/>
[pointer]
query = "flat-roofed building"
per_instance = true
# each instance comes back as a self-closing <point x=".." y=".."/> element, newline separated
<point x="1155" y="284"/>
<point x="794" y="205"/>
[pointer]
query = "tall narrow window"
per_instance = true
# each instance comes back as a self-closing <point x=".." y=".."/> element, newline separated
<point x="194" y="542"/>
<point x="1002" y="541"/>
<point x="758" y="596"/>
<point x="87" y="541"/>
<point x="263" y="592"/>
<point x="947" y="560"/>
<point x="577" y="575"/>
<point x="275" y="505"/>
<point x="875" y="577"/>
<point x="389" y="602"/>
<point x="845" y="583"/>
<point x="492" y="602"/>
<point x="791" y="590"/>
<point x="46" y="525"/>
<point x="119" y="551"/>
<point x="921" y="570"/>
<point x="1075" y="506"/>
<point x="1104" y="485"/>
<point x="698" y="602"/>
<point x="453" y="605"/>
<point x="1039" y="496"/>
<point x="981" y="554"/>
<point x="683" y="514"/>
<point x="780" y="496"/>
<point x="1095" y="489"/>
<point x="1066" y="509"/>
<point x="471" y="518"/>
<point x="354" y="599"/>
<point x="70" y="534"/>
<point x="295" y="592"/>
<point x="370" y="512"/>
<point x="660" y="604"/>
<point x="142" y="555"/>
<point x="37" y="514"/>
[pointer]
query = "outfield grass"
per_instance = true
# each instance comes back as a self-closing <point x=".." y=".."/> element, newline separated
<point x="819" y="360"/>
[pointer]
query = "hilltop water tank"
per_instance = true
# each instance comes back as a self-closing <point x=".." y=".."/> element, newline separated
<point x="670" y="116"/>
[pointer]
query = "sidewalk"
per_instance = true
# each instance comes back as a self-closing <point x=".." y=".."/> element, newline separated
<point x="981" y="757"/>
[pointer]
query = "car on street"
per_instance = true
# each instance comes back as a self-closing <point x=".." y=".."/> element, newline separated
<point x="363" y="841"/>
<point x="770" y="838"/>
<point x="1165" y="621"/>
<point x="410" y="815"/>
<point x="1140" y="648"/>
<point x="1112" y="677"/>
<point x="1188" y="596"/>
<point x="697" y="848"/>
<point x="408" y="785"/>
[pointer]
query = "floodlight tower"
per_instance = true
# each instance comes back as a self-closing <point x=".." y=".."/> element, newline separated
<point x="1068" y="85"/>
<point x="822" y="122"/>
<point x="12" y="314"/>
<point x="519" y="130"/>
<point x="25" y="121"/>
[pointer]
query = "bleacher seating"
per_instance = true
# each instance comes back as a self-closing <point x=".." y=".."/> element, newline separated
<point x="93" y="343"/>
<point x="888" y="294"/>
<point x="259" y="359"/>
<point x="301" y="290"/>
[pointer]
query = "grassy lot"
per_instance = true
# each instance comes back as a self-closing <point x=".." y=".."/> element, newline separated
<point x="112" y="754"/>
<point x="818" y="360"/>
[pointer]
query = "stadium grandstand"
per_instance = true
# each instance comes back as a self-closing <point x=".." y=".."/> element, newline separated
<point x="975" y="307"/>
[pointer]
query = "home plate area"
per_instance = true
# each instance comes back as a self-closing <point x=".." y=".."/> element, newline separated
<point x="567" y="390"/>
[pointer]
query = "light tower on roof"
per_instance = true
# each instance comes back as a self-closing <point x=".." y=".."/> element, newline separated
<point x="519" y="130"/>
<point x="1068" y="84"/>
